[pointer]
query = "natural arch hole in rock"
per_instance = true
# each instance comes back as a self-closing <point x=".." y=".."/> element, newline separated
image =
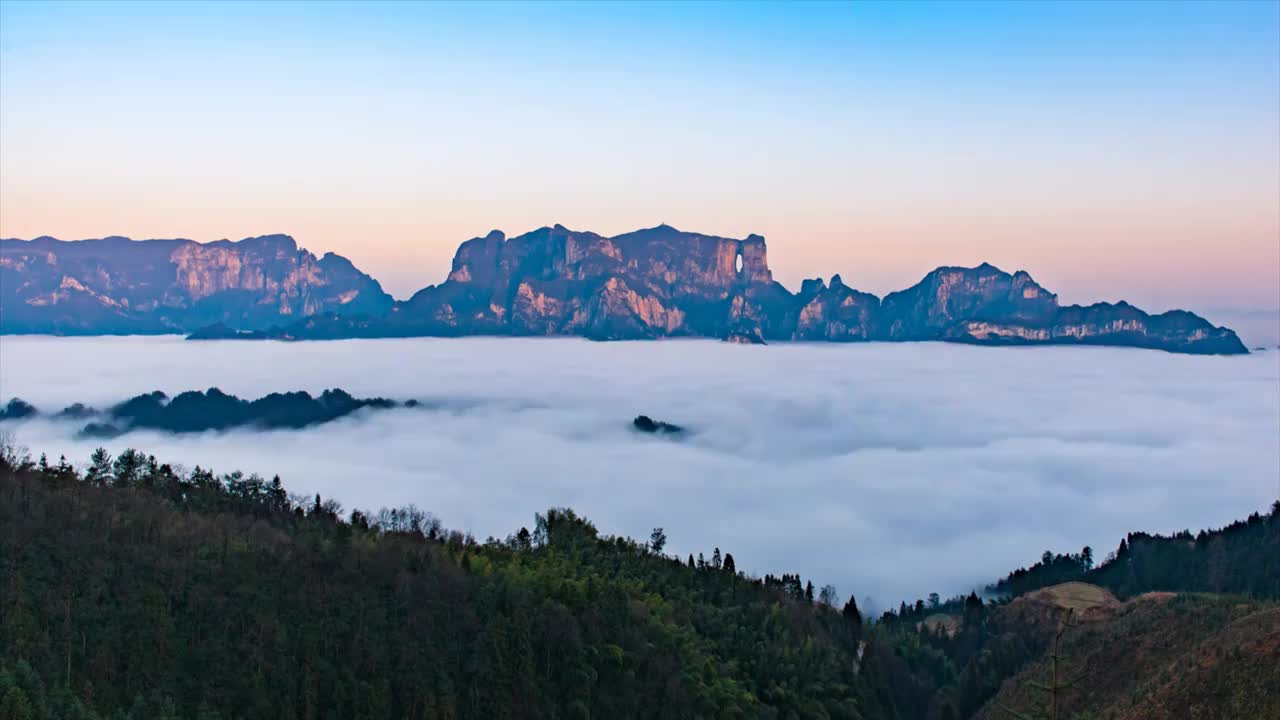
<point x="737" y="263"/>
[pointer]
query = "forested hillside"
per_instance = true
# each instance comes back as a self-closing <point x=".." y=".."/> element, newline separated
<point x="1198" y="631"/>
<point x="1161" y="655"/>
<point x="1243" y="557"/>
<point x="132" y="590"/>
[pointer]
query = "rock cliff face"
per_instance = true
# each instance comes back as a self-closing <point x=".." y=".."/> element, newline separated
<point x="662" y="282"/>
<point x="117" y="285"/>
<point x="652" y="283"/>
<point x="836" y="312"/>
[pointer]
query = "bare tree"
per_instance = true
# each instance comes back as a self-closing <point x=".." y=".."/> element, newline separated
<point x="12" y="455"/>
<point x="1057" y="687"/>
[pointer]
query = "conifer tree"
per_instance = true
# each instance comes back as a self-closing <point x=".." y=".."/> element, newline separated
<point x="851" y="613"/>
<point x="657" y="541"/>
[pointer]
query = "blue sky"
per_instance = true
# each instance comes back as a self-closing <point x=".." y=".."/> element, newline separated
<point x="1109" y="148"/>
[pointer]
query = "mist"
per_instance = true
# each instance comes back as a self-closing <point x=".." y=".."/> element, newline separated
<point x="887" y="470"/>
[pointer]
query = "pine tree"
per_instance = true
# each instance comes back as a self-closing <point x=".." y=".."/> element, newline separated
<point x="851" y="613"/>
<point x="657" y="541"/>
<point x="126" y="467"/>
<point x="99" y="472"/>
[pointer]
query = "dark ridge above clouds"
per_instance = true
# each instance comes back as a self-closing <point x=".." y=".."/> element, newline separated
<point x="196" y="411"/>
<point x="213" y="409"/>
<point x="651" y="283"/>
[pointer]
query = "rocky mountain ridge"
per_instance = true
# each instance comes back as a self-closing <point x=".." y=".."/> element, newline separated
<point x="652" y="283"/>
<point x="115" y="285"/>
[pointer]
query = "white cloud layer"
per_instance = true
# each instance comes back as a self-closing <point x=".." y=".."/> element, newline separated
<point x="889" y="470"/>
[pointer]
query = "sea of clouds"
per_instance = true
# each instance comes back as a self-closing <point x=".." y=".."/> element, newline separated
<point x="888" y="470"/>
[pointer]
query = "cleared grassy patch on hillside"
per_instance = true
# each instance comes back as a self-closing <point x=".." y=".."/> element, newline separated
<point x="1168" y="655"/>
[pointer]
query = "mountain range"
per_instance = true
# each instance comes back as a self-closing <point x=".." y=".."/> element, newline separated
<point x="115" y="285"/>
<point x="652" y="283"/>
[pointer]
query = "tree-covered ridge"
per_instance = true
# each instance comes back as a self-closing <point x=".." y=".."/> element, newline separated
<point x="134" y="590"/>
<point x="951" y="659"/>
<point x="1161" y="655"/>
<point x="1242" y="558"/>
<point x="131" y="589"/>
<point x="213" y="409"/>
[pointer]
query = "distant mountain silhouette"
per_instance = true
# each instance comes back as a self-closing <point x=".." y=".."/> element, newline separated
<point x="215" y="410"/>
<point x="195" y="411"/>
<point x="120" y="286"/>
<point x="658" y="282"/>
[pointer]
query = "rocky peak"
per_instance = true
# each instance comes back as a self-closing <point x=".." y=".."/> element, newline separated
<point x="272" y="240"/>
<point x="1026" y="288"/>
<point x="661" y="282"/>
<point x="656" y="282"/>
<point x="950" y="294"/>
<point x="278" y="246"/>
<point x="477" y="258"/>
<point x="755" y="261"/>
<point x="836" y="312"/>
<point x="115" y="284"/>
<point x="811" y="287"/>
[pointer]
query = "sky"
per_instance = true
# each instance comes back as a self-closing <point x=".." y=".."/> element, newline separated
<point x="1113" y="150"/>
<point x="889" y="470"/>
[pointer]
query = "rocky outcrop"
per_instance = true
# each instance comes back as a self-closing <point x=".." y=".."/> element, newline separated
<point x="836" y="312"/>
<point x="117" y="285"/>
<point x="932" y="308"/>
<point x="646" y="424"/>
<point x="1120" y="324"/>
<point x="662" y="282"/>
<point x="653" y="283"/>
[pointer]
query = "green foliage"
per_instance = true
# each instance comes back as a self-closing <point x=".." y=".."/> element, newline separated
<point x="934" y="673"/>
<point x="137" y="591"/>
<point x="1242" y="558"/>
